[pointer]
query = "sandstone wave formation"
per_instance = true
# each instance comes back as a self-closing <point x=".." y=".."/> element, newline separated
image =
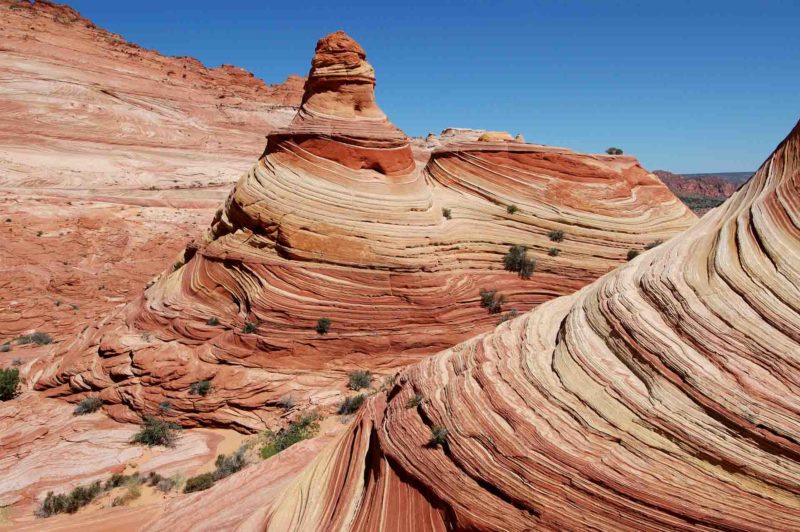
<point x="340" y="219"/>
<point x="663" y="396"/>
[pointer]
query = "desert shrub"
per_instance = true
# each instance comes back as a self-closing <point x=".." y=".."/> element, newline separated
<point x="5" y="348"/>
<point x="653" y="244"/>
<point x="286" y="402"/>
<point x="516" y="260"/>
<point x="37" y="337"/>
<point x="199" y="483"/>
<point x="614" y="151"/>
<point x="228" y="465"/>
<point x="200" y="388"/>
<point x="39" y="233"/>
<point x="9" y="380"/>
<point x="556" y="235"/>
<point x="359" y="379"/>
<point x="177" y="266"/>
<point x="323" y="325"/>
<point x="438" y="435"/>
<point x="155" y="431"/>
<point x="132" y="493"/>
<point x="213" y="321"/>
<point x="632" y="254"/>
<point x="154" y="478"/>
<point x="553" y="252"/>
<point x="526" y="268"/>
<point x="16" y="362"/>
<point x="88" y="405"/>
<point x="69" y="502"/>
<point x="249" y="327"/>
<point x="511" y="209"/>
<point x="447" y="213"/>
<point x="510" y="315"/>
<point x="165" y="485"/>
<point x="299" y="430"/>
<point x="491" y="300"/>
<point x="114" y="481"/>
<point x="351" y="404"/>
<point x="414" y="401"/>
<point x="165" y="406"/>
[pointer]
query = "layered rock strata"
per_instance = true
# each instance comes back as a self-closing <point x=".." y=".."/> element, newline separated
<point x="663" y="396"/>
<point x="339" y="220"/>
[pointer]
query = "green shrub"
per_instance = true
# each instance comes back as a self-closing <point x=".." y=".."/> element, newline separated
<point x="5" y="348"/>
<point x="165" y="406"/>
<point x="228" y="465"/>
<point x="556" y="235"/>
<point x="447" y="213"/>
<point x="323" y="325"/>
<point x="249" y="327"/>
<point x="155" y="431"/>
<point x="351" y="404"/>
<point x="212" y="321"/>
<point x="491" y="300"/>
<point x="632" y="254"/>
<point x="88" y="405"/>
<point x="69" y="502"/>
<point x="654" y="243"/>
<point x="37" y="337"/>
<point x="300" y="430"/>
<point x="9" y="380"/>
<point x="414" y="401"/>
<point x="199" y="483"/>
<point x="516" y="260"/>
<point x="614" y="151"/>
<point x="154" y="478"/>
<point x="438" y="435"/>
<point x="553" y="252"/>
<point x="359" y="379"/>
<point x="200" y="388"/>
<point x="511" y="209"/>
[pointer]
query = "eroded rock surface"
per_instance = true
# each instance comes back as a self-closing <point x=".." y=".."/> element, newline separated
<point x="340" y="219"/>
<point x="663" y="396"/>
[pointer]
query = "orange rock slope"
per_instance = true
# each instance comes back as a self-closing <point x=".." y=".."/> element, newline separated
<point x="663" y="396"/>
<point x="109" y="154"/>
<point x="338" y="220"/>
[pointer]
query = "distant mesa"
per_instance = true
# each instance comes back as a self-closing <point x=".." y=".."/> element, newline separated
<point x="342" y="217"/>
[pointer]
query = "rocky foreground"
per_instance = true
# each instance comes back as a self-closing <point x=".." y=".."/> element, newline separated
<point x="663" y="396"/>
<point x="341" y="220"/>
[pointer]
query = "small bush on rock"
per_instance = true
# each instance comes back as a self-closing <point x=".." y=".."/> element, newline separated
<point x="438" y="435"/>
<point x="156" y="431"/>
<point x="249" y="327"/>
<point x="37" y="337"/>
<point x="199" y="483"/>
<point x="200" y="388"/>
<point x="614" y="151"/>
<point x="491" y="300"/>
<point x="88" y="405"/>
<point x="351" y="404"/>
<point x="414" y="401"/>
<point x="323" y="325"/>
<point x="553" y="252"/>
<point x="299" y="430"/>
<point x="447" y="213"/>
<point x="359" y="379"/>
<point x="511" y="209"/>
<point x="213" y="321"/>
<point x="9" y="380"/>
<point x="69" y="502"/>
<point x="556" y="235"/>
<point x="632" y="254"/>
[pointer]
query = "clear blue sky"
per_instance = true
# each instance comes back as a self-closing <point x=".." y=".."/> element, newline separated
<point x="688" y="86"/>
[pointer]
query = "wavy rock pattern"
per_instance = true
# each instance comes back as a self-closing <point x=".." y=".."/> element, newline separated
<point x="339" y="219"/>
<point x="663" y="396"/>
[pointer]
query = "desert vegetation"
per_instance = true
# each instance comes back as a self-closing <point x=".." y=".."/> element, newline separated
<point x="516" y="260"/>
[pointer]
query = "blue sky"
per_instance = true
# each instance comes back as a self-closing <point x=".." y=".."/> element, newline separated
<point x="688" y="86"/>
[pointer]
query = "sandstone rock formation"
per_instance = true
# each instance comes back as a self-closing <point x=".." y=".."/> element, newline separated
<point x="340" y="219"/>
<point x="109" y="155"/>
<point x="663" y="396"/>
